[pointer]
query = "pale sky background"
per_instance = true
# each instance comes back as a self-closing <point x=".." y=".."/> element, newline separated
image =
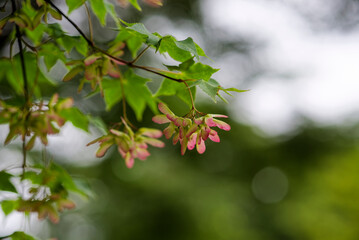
<point x="323" y="65"/>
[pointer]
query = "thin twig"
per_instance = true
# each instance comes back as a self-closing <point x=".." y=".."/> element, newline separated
<point x="11" y="47"/>
<point x="72" y="23"/>
<point x="26" y="87"/>
<point x="5" y="237"/>
<point x="29" y="46"/>
<point x="3" y="6"/>
<point x="110" y="56"/>
<point x="149" y="69"/>
<point x="22" y="59"/>
<point x="128" y="63"/>
<point x="190" y="94"/>
<point x="124" y="111"/>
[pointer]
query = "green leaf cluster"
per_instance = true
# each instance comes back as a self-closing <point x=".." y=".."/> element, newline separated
<point x="137" y="94"/>
<point x="32" y="107"/>
<point x="49" y="191"/>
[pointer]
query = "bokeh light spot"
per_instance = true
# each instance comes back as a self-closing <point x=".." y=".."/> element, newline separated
<point x="270" y="185"/>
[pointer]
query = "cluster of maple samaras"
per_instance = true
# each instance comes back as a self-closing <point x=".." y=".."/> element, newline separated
<point x="48" y="193"/>
<point x="41" y="120"/>
<point x="96" y="66"/>
<point x="190" y="132"/>
<point x="129" y="144"/>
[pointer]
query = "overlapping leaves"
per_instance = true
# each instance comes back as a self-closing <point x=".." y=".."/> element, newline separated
<point x="47" y="194"/>
<point x="41" y="120"/>
<point x="136" y="91"/>
<point x="117" y="81"/>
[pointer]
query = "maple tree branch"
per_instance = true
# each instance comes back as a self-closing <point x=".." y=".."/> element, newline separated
<point x="26" y="87"/>
<point x="72" y="23"/>
<point x="22" y="59"/>
<point x="152" y="70"/>
<point x="92" y="45"/>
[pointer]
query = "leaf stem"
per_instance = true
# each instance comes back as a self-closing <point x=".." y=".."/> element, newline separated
<point x="90" y="22"/>
<point x="139" y="55"/>
<point x="124" y="110"/>
<point x="191" y="96"/>
<point x="11" y="48"/>
<point x="29" y="46"/>
<point x="123" y="99"/>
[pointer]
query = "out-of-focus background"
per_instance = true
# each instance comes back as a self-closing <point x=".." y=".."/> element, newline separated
<point x="289" y="167"/>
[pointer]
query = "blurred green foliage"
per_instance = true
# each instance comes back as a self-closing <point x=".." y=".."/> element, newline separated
<point x="210" y="196"/>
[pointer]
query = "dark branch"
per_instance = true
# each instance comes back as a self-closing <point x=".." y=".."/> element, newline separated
<point x="22" y="59"/>
<point x="72" y="23"/>
<point x="91" y="44"/>
<point x="26" y="87"/>
<point x="155" y="72"/>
